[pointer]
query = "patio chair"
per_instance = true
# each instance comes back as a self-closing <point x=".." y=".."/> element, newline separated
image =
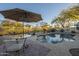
<point x="13" y="45"/>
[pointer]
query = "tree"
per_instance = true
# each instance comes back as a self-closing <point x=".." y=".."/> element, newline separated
<point x="45" y="26"/>
<point x="71" y="14"/>
<point x="67" y="15"/>
<point x="13" y="27"/>
<point x="59" y="21"/>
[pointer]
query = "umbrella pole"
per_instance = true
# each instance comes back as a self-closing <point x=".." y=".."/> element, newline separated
<point x="23" y="38"/>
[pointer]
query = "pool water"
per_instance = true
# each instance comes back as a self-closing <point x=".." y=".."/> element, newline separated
<point x="55" y="38"/>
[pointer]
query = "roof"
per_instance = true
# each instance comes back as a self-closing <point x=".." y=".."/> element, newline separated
<point x="21" y="15"/>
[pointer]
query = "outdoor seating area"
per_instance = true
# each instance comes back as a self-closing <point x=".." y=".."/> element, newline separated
<point x="23" y="48"/>
<point x="25" y="31"/>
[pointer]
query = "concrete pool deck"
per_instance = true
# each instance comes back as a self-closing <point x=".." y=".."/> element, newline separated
<point x="59" y="49"/>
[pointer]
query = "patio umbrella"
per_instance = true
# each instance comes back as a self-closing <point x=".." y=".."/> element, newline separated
<point x="21" y="15"/>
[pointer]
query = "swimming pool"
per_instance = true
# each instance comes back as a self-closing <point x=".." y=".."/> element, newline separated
<point x="54" y="39"/>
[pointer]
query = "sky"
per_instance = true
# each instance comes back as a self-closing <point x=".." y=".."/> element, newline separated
<point x="48" y="11"/>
